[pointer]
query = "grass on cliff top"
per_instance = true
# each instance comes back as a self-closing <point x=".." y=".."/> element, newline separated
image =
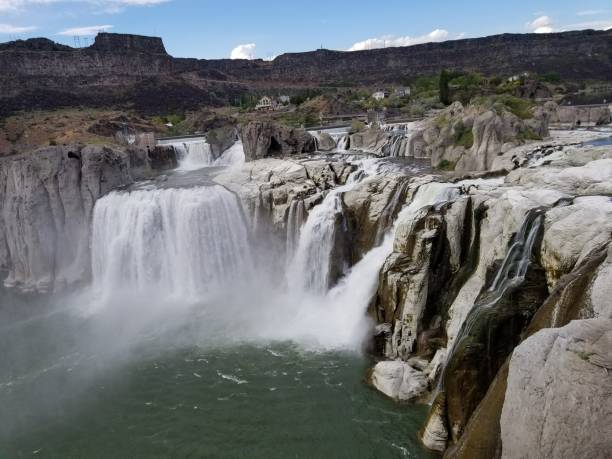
<point x="506" y="102"/>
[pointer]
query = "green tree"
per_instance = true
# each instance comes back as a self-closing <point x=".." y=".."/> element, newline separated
<point x="445" y="78"/>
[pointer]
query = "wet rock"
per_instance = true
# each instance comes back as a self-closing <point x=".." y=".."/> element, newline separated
<point x="435" y="431"/>
<point x="325" y="142"/>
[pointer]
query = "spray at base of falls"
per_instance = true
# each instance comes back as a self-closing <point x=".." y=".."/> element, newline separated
<point x="185" y="242"/>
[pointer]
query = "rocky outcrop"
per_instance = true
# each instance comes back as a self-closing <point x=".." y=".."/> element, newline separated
<point x="371" y="140"/>
<point x="452" y="304"/>
<point x="46" y="201"/>
<point x="559" y="397"/>
<point x="470" y="138"/>
<point x="398" y="380"/>
<point x="370" y="209"/>
<point x="267" y="139"/>
<point x="220" y="139"/>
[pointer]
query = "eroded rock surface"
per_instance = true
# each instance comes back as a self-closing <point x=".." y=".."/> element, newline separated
<point x="46" y="201"/>
<point x="267" y="139"/>
<point x="559" y="397"/>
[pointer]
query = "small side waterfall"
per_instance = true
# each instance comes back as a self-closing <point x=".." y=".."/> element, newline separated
<point x="310" y="268"/>
<point x="295" y="220"/>
<point x="400" y="135"/>
<point x="184" y="242"/>
<point x="197" y="153"/>
<point x="343" y="143"/>
<point x="510" y="275"/>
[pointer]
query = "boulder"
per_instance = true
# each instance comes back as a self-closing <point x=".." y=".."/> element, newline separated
<point x="558" y="402"/>
<point x="399" y="380"/>
<point x="268" y="139"/>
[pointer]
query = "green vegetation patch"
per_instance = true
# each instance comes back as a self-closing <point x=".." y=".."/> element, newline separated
<point x="446" y="165"/>
<point x="463" y="136"/>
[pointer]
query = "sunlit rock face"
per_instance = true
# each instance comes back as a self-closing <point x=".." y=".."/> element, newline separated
<point x="470" y="279"/>
<point x="559" y="391"/>
<point x="46" y="201"/>
<point x="471" y="138"/>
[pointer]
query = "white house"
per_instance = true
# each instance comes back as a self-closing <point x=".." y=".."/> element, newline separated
<point x="265" y="103"/>
<point x="380" y="95"/>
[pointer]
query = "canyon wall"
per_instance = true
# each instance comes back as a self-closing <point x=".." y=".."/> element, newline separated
<point x="123" y="69"/>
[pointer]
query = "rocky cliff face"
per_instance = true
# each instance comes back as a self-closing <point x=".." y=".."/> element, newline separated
<point x="119" y="69"/>
<point x="46" y="200"/>
<point x="470" y="279"/>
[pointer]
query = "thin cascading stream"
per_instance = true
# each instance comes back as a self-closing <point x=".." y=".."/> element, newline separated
<point x="510" y="275"/>
<point x="185" y="242"/>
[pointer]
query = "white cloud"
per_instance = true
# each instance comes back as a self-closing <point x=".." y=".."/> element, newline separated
<point x="245" y="51"/>
<point x="391" y="41"/>
<point x="542" y="24"/>
<point x="87" y="30"/>
<point x="10" y="29"/>
<point x="591" y="12"/>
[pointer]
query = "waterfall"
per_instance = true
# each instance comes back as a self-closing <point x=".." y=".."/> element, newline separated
<point x="183" y="242"/>
<point x="197" y="153"/>
<point x="233" y="156"/>
<point x="295" y="220"/>
<point x="510" y="275"/>
<point x="194" y="154"/>
<point x="351" y="297"/>
<point x="309" y="270"/>
<point x="343" y="143"/>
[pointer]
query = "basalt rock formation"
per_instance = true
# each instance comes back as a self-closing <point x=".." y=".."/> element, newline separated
<point x="46" y="200"/>
<point x="470" y="138"/>
<point x="471" y="279"/>
<point x="123" y="69"/>
<point x="268" y="139"/>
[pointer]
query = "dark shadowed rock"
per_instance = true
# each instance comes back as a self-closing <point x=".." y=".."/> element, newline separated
<point x="266" y="139"/>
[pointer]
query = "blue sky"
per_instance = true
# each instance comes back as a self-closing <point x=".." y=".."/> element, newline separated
<point x="241" y="28"/>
